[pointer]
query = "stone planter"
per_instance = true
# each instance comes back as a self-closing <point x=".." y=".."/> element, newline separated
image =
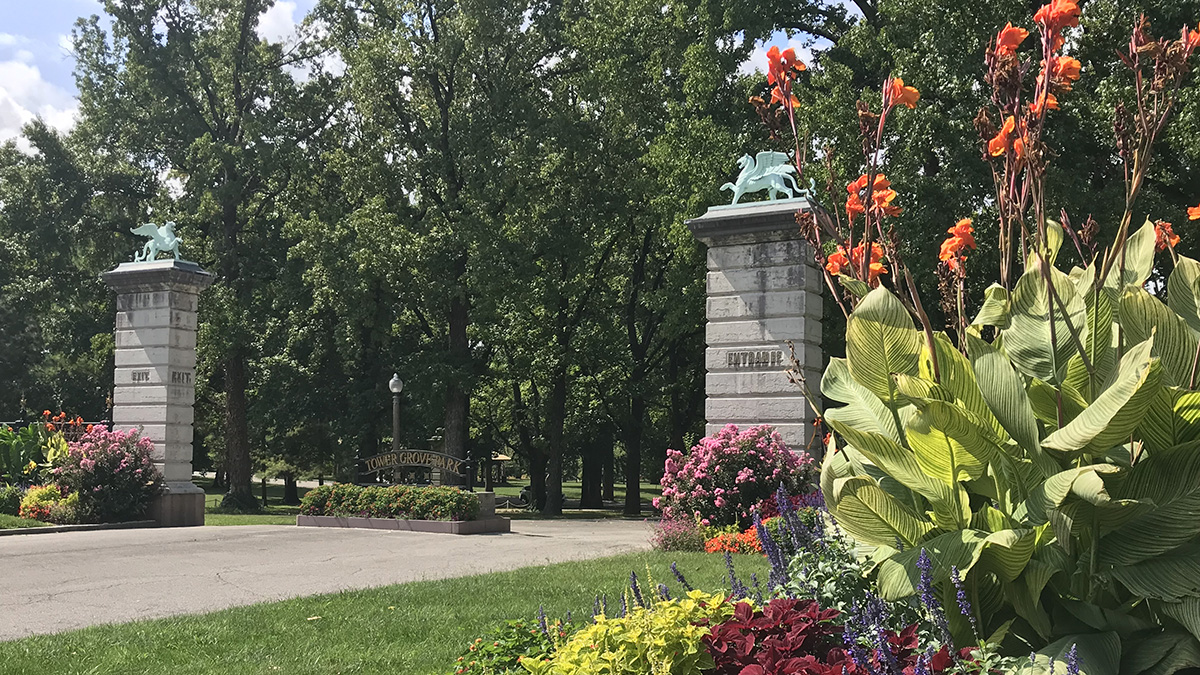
<point x="482" y="526"/>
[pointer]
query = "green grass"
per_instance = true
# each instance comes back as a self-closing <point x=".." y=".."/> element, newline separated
<point x="573" y="489"/>
<point x="410" y="629"/>
<point x="8" y="522"/>
<point x="275" y="513"/>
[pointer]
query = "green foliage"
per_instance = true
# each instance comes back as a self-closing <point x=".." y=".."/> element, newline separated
<point x="501" y="651"/>
<point x="47" y="504"/>
<point x="662" y="639"/>
<point x="828" y="572"/>
<point x="25" y="454"/>
<point x="395" y="501"/>
<point x="10" y="500"/>
<point x="1057" y="480"/>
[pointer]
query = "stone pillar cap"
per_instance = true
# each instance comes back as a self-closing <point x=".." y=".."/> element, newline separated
<point x="157" y="275"/>
<point x="752" y="218"/>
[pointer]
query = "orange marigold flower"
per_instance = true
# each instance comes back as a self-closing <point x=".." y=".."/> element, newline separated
<point x="1009" y="39"/>
<point x="835" y="262"/>
<point x="1194" y="213"/>
<point x="899" y="94"/>
<point x="1164" y="236"/>
<point x="1058" y="14"/>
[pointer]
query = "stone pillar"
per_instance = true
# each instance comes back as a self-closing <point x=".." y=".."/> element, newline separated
<point x="155" y="377"/>
<point x="763" y="290"/>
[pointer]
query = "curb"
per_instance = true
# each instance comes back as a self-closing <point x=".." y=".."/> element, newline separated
<point x="51" y="529"/>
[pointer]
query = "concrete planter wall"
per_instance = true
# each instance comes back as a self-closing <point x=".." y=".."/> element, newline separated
<point x="482" y="526"/>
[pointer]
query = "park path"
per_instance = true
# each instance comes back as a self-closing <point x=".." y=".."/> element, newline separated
<point x="64" y="581"/>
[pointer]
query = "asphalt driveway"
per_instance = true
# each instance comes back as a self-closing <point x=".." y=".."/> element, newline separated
<point x="63" y="581"/>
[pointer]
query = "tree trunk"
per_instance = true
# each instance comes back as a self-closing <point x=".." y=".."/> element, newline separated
<point x="556" y="419"/>
<point x="609" y="469"/>
<point x="240" y="494"/>
<point x="591" y="477"/>
<point x="291" y="492"/>
<point x="537" y="478"/>
<point x="458" y="397"/>
<point x="633" y="454"/>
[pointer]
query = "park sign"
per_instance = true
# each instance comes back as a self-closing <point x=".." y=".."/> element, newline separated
<point x="403" y="459"/>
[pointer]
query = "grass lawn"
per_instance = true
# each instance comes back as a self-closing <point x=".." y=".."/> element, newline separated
<point x="275" y="513"/>
<point x="573" y="489"/>
<point x="409" y="629"/>
<point x="8" y="522"/>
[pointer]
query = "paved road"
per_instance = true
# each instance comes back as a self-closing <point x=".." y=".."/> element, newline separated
<point x="57" y="582"/>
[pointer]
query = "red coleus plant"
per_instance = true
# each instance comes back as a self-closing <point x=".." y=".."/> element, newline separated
<point x="797" y="637"/>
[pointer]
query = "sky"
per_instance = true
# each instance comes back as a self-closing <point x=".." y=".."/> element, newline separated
<point x="36" y="62"/>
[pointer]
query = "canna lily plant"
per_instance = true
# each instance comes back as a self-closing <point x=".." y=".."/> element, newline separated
<point x="1044" y="457"/>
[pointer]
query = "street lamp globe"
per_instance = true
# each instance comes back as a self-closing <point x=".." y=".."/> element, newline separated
<point x="395" y="384"/>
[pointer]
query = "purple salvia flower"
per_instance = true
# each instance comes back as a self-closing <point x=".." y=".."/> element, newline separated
<point x="737" y="589"/>
<point x="758" y="595"/>
<point x="596" y="607"/>
<point x="1073" y="660"/>
<point x="791" y="522"/>
<point x="964" y="605"/>
<point x="541" y="616"/>
<point x="779" y="575"/>
<point x="637" y="591"/>
<point x="929" y="597"/>
<point x="624" y="605"/>
<point x="679" y="576"/>
<point x="664" y="592"/>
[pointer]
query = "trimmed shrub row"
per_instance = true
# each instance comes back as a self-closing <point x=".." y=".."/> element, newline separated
<point x="408" y="502"/>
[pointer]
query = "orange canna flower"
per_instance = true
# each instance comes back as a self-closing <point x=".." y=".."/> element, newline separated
<point x="1065" y="69"/>
<point x="1194" y="213"/>
<point x="954" y="248"/>
<point x="899" y="94"/>
<point x="1191" y="38"/>
<point x="1007" y="139"/>
<point x="49" y="427"/>
<point x="1009" y="39"/>
<point x="45" y="413"/>
<point x="1164" y="236"/>
<point x="782" y="64"/>
<point x="1050" y="103"/>
<point x="1057" y="15"/>
<point x="88" y="429"/>
<point x="777" y="97"/>
<point x="834" y="263"/>
<point x="881" y="197"/>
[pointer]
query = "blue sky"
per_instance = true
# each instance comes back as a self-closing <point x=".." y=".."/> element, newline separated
<point x="35" y="59"/>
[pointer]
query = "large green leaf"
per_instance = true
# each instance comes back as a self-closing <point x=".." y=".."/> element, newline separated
<point x="1004" y="391"/>
<point x="881" y="340"/>
<point x="950" y="503"/>
<point x="873" y="516"/>
<point x="1144" y="316"/>
<point x="1173" y="577"/>
<point x="1170" y="481"/>
<point x="1172" y="418"/>
<point x="959" y="378"/>
<point x="1096" y="654"/>
<point x="1055" y="406"/>
<point x="1116" y="412"/>
<point x="1187" y="613"/>
<point x="1098" y="338"/>
<point x="1183" y="291"/>
<point x="949" y="443"/>
<point x="1161" y="653"/>
<point x="863" y="410"/>
<point x="1139" y="259"/>
<point x="899" y="576"/>
<point x="995" y="309"/>
<point x="1038" y="346"/>
<point x="1053" y="492"/>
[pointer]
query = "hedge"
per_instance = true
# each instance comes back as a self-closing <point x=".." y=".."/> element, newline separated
<point x="409" y="502"/>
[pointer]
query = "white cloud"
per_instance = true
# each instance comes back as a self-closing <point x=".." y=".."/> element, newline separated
<point x="25" y="94"/>
<point x="10" y="40"/>
<point x="278" y="23"/>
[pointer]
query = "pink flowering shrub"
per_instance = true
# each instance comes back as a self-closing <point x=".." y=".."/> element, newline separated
<point x="112" y="473"/>
<point x="728" y="474"/>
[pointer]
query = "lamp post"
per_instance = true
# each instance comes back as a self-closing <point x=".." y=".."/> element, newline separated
<point x="397" y="386"/>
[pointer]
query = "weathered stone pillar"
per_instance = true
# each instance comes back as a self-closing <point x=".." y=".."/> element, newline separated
<point x="155" y="377"/>
<point x="763" y="290"/>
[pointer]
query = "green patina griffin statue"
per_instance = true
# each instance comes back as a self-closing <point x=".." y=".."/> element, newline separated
<point x="161" y="240"/>
<point x="768" y="171"/>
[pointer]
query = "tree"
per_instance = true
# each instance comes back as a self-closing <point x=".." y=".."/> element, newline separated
<point x="187" y="87"/>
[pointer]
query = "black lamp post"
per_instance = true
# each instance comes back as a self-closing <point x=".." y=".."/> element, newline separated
<point x="397" y="386"/>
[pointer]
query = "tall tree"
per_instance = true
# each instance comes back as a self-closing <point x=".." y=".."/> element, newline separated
<point x="188" y="87"/>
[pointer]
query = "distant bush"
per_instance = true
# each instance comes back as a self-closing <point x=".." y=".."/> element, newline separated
<point x="10" y="500"/>
<point x="409" y="502"/>
<point x="678" y="534"/>
<point x="48" y="504"/>
<point x="112" y="473"/>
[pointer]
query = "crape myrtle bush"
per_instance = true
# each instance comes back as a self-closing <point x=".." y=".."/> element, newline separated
<point x="725" y="476"/>
<point x="394" y="501"/>
<point x="112" y="473"/>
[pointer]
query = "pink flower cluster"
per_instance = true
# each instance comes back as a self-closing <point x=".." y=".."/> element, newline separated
<point x="112" y="471"/>
<point x="726" y="475"/>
